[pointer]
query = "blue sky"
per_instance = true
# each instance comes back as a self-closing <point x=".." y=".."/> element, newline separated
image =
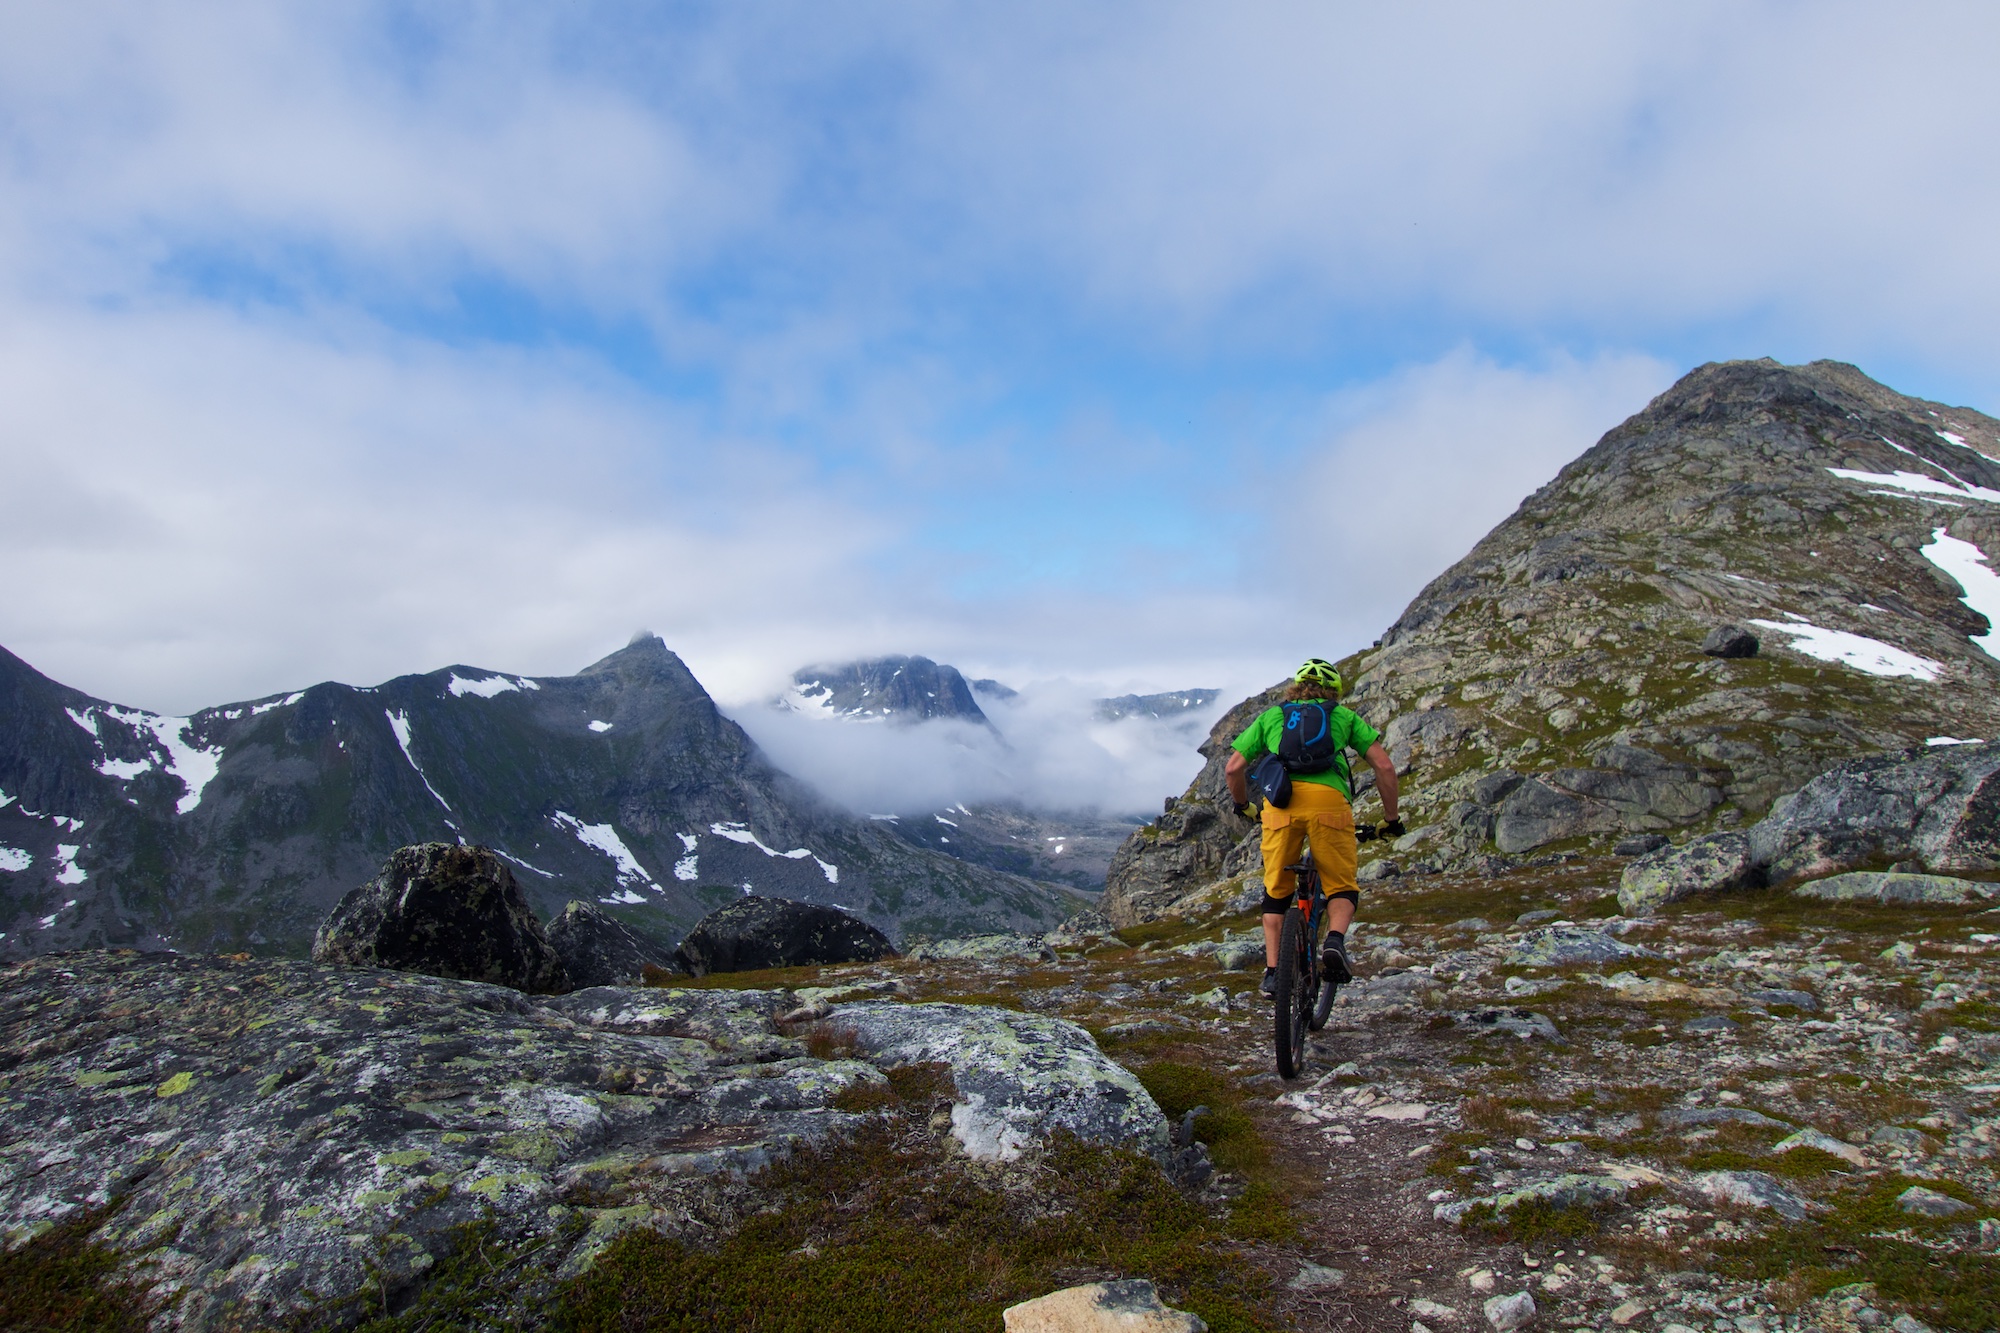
<point x="343" y="340"/>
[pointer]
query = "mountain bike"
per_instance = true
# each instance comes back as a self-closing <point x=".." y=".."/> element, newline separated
<point x="1304" y="993"/>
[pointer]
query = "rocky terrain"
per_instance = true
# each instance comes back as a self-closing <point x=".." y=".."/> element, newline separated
<point x="239" y="827"/>
<point x="1550" y="691"/>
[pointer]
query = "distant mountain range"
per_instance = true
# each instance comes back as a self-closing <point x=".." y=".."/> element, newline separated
<point x="883" y="689"/>
<point x="240" y="826"/>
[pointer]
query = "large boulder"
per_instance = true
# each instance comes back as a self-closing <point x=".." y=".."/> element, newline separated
<point x="447" y="911"/>
<point x="1870" y="886"/>
<point x="1941" y="806"/>
<point x="1534" y="813"/>
<point x="755" y="932"/>
<point x="598" y="951"/>
<point x="1019" y="1077"/>
<point x="1716" y="863"/>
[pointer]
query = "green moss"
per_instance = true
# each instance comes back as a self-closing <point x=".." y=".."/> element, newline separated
<point x="1866" y="1237"/>
<point x="886" y="1231"/>
<point x="62" y="1281"/>
<point x="1228" y="1130"/>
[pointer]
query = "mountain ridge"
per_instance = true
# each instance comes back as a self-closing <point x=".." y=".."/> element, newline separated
<point x="239" y="826"/>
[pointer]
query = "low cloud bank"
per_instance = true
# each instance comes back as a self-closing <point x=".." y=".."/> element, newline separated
<point x="1046" y="751"/>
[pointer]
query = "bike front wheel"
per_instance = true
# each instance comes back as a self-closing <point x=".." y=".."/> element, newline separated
<point x="1297" y="988"/>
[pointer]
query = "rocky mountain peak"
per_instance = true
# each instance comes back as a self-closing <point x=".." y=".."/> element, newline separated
<point x="884" y="689"/>
<point x="1550" y="689"/>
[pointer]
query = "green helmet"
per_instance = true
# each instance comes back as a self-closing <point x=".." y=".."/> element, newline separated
<point x="1320" y="672"/>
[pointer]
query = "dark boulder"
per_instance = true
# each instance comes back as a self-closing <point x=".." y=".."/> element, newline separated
<point x="1730" y="641"/>
<point x="446" y="911"/>
<point x="598" y="951"/>
<point x="1940" y="807"/>
<point x="756" y="931"/>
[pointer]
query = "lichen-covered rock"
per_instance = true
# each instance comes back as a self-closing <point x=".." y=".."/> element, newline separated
<point x="446" y="911"/>
<point x="740" y="1025"/>
<point x="1022" y="1076"/>
<point x="1568" y="1191"/>
<point x="1752" y="1189"/>
<point x="1715" y="863"/>
<point x="757" y="932"/>
<point x="1084" y="930"/>
<point x="281" y="1128"/>
<point x="1886" y="887"/>
<point x="598" y="951"/>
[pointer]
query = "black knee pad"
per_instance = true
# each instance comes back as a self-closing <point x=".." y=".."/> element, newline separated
<point x="1277" y="906"/>
<point x="1352" y="895"/>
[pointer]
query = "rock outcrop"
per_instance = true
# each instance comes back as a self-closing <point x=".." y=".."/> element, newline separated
<point x="756" y="932"/>
<point x="598" y="951"/>
<point x="446" y="911"/>
<point x="1737" y="589"/>
<point x="279" y="1133"/>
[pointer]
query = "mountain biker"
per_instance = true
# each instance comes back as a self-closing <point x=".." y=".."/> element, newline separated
<point x="1320" y="811"/>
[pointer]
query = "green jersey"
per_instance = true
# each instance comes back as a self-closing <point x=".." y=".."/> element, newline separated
<point x="1350" y="732"/>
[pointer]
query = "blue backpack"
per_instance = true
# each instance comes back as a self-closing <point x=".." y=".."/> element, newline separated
<point x="1306" y="744"/>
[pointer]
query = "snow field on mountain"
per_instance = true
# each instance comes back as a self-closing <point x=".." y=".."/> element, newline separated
<point x="1918" y="484"/>
<point x="604" y="838"/>
<point x="400" y="724"/>
<point x="14" y="859"/>
<point x="193" y="765"/>
<point x="489" y="686"/>
<point x="1855" y="650"/>
<point x="1967" y="564"/>
<point x="741" y="833"/>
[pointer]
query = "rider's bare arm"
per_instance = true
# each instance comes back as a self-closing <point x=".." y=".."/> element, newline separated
<point x="1385" y="778"/>
<point x="1234" y="779"/>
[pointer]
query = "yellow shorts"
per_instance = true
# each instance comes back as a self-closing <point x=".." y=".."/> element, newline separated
<point x="1319" y="813"/>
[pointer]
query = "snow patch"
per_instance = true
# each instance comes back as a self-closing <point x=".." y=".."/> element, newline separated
<point x="400" y="724"/>
<point x="942" y="820"/>
<point x="1855" y="650"/>
<point x="737" y="832"/>
<point x="830" y="870"/>
<point x="84" y="720"/>
<point x="490" y="686"/>
<point x="124" y="769"/>
<point x="1967" y="563"/>
<point x="625" y="896"/>
<point x="604" y="838"/>
<point x="1952" y="740"/>
<point x="545" y="874"/>
<point x="1948" y="436"/>
<point x="1920" y="499"/>
<point x="285" y="702"/>
<point x="14" y="859"/>
<point x="1918" y="484"/>
<point x="600" y="726"/>
<point x="71" y="872"/>
<point x="195" y="766"/>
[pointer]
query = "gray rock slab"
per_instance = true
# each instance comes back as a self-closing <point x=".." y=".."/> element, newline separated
<point x="1751" y="1189"/>
<point x="292" y="1128"/>
<point x="1797" y="999"/>
<point x="1889" y="887"/>
<point x="985" y="949"/>
<point x="1559" y="946"/>
<point x="1683" y="1116"/>
<point x="1713" y="863"/>
<point x="1508" y="1313"/>
<point x="1924" y="1202"/>
<point x="1941" y="806"/>
<point x="737" y="1024"/>
<point x="1813" y="1138"/>
<point x="1022" y="1076"/>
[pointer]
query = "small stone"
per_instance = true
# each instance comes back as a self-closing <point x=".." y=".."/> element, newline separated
<point x="1643" y="844"/>
<point x="1629" y="1311"/>
<point x="1316" y="1277"/>
<point x="1906" y="1323"/>
<point x="1507" y="1313"/>
<point x="1481" y="1279"/>
<point x="1424" y="1308"/>
<point x="1419" y="1326"/>
<point x="1409" y="1111"/>
<point x="1711" y="1023"/>
<point x="1929" y="1203"/>
<point x="1128" y="1306"/>
<point x="1812" y="1138"/>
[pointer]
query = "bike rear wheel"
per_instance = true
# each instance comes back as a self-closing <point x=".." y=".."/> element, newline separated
<point x="1297" y="987"/>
